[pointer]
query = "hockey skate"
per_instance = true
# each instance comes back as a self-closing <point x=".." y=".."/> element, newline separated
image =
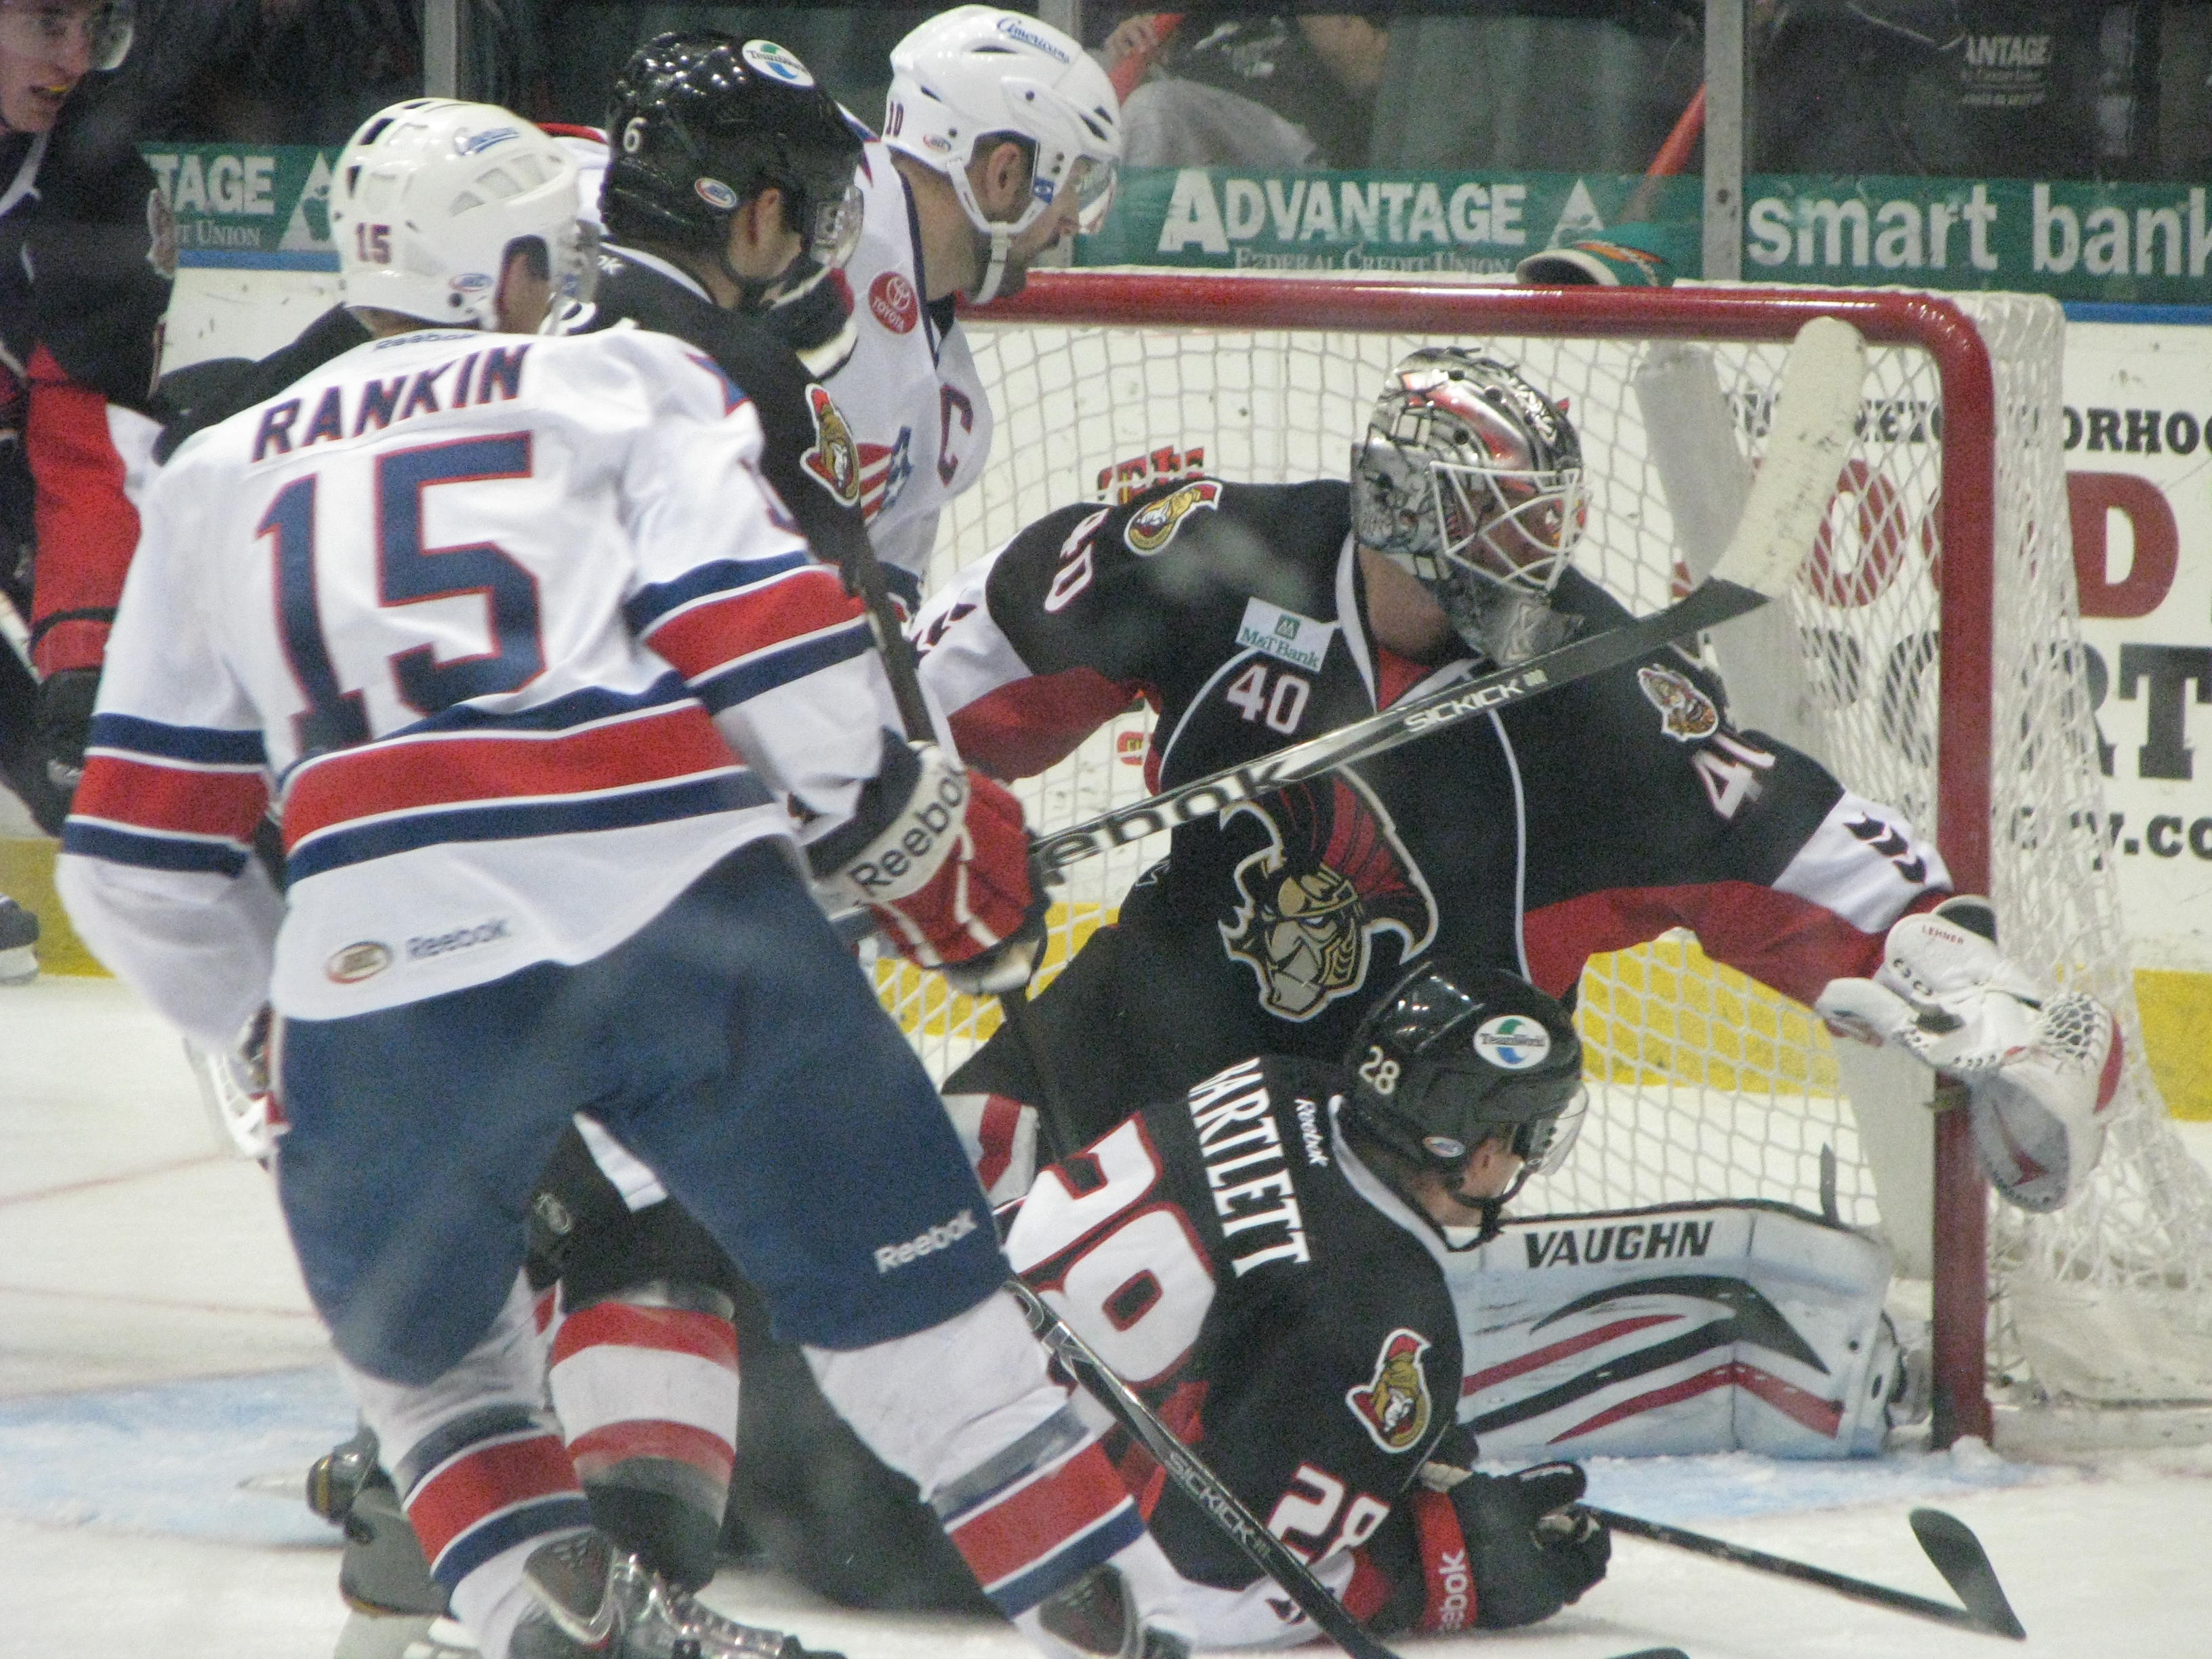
<point x="1096" y="1615"/>
<point x="593" y="1599"/>
<point x="18" y="933"/>
<point x="382" y="1575"/>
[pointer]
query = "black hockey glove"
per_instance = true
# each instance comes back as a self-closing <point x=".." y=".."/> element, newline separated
<point x="1531" y="1553"/>
<point x="64" y="717"/>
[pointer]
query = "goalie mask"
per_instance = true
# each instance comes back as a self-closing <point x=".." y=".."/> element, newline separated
<point x="977" y="73"/>
<point x="1448" y="1059"/>
<point x="701" y="124"/>
<point x="1471" y="480"/>
<point x="430" y="199"/>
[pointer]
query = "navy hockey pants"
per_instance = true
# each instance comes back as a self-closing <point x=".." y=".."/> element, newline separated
<point x="732" y="1043"/>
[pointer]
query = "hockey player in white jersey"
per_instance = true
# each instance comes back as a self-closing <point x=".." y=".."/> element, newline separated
<point x="1000" y="137"/>
<point x="540" y="681"/>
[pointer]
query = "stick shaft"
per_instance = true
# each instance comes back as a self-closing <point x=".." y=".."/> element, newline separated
<point x="1199" y="1483"/>
<point x="1858" y="1589"/>
<point x="1711" y="603"/>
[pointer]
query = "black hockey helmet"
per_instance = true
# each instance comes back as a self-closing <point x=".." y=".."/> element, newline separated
<point x="701" y="124"/>
<point x="1450" y="1057"/>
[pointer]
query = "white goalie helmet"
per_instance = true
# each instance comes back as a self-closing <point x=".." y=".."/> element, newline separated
<point x="429" y="198"/>
<point x="1471" y="479"/>
<point x="977" y="70"/>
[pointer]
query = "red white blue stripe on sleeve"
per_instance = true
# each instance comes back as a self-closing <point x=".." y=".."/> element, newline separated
<point x="486" y="1483"/>
<point x="1040" y="1515"/>
<point x="735" y="629"/>
<point x="593" y="759"/>
<point x="179" y="798"/>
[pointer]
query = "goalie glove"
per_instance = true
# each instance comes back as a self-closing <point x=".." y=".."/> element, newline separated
<point x="942" y="864"/>
<point x="2040" y="1072"/>
<point x="1499" y="1551"/>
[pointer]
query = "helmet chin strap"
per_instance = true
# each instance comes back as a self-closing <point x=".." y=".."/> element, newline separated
<point x="1001" y="240"/>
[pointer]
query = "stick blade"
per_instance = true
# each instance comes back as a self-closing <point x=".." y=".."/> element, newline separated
<point x="1807" y="443"/>
<point x="1964" y="1565"/>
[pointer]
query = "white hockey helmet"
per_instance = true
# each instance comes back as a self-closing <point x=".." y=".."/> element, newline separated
<point x="977" y="70"/>
<point x="429" y="198"/>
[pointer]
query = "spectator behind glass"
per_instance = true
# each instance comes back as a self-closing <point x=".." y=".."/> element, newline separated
<point x="1229" y="88"/>
<point x="84" y="280"/>
<point x="298" y="71"/>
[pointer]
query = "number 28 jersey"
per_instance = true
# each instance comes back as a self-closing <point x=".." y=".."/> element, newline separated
<point x="492" y="619"/>
<point x="1280" y="1307"/>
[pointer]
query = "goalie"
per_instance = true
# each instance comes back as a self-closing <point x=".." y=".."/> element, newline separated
<point x="1595" y="817"/>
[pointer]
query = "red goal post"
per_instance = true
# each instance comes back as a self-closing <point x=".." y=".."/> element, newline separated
<point x="1957" y="472"/>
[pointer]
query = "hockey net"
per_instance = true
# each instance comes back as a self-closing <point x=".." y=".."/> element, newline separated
<point x="1965" y="709"/>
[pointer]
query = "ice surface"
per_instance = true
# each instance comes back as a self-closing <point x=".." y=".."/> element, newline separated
<point x="163" y="1385"/>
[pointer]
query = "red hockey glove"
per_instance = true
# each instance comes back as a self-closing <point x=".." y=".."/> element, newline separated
<point x="947" y="875"/>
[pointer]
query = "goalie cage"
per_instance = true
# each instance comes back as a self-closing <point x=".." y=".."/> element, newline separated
<point x="2090" y="1326"/>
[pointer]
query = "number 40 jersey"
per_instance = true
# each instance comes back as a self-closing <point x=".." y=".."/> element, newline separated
<point x="1280" y="1308"/>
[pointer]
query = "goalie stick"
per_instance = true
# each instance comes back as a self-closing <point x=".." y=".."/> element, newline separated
<point x="1808" y="443"/>
<point x="1208" y="1491"/>
<point x="1954" y="1550"/>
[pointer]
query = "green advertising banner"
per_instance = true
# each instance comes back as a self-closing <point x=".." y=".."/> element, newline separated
<point x="1229" y="219"/>
<point x="2140" y="243"/>
<point x="264" y="208"/>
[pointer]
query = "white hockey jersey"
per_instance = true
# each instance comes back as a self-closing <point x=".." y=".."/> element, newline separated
<point x="474" y="608"/>
<point x="910" y="391"/>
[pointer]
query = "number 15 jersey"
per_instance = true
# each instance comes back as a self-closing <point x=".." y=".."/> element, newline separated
<point x="493" y="618"/>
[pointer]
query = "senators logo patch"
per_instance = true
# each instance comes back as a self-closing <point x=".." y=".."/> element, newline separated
<point x="1394" y="1406"/>
<point x="1686" y="714"/>
<point x="1152" y="528"/>
<point x="1333" y="875"/>
<point x="835" y="459"/>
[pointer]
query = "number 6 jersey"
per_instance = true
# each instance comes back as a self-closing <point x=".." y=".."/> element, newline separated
<point x="1280" y="1308"/>
<point x="492" y="618"/>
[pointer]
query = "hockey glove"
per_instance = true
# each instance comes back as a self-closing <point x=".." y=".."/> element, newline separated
<point x="945" y="871"/>
<point x="1499" y="1551"/>
<point x="64" y="722"/>
<point x="2040" y="1072"/>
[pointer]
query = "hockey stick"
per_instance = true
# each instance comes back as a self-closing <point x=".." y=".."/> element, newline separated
<point x="1206" y="1489"/>
<point x="1957" y="1553"/>
<point x="864" y="577"/>
<point x="1807" y="441"/>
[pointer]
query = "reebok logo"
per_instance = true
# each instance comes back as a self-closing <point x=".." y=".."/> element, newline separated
<point x="424" y="946"/>
<point x="915" y="846"/>
<point x="1450" y="1587"/>
<point x="942" y="1237"/>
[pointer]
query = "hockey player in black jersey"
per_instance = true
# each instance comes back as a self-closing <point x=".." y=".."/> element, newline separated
<point x="1268" y="1259"/>
<point x="1594" y="817"/>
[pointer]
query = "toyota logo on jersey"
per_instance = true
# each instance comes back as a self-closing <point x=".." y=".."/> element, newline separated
<point x="892" y="302"/>
<point x="1333" y="875"/>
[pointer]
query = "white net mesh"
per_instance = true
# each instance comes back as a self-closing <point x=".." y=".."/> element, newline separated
<point x="1707" y="1084"/>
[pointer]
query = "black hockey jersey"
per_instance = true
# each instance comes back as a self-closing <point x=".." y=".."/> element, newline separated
<point x="1596" y="816"/>
<point x="1280" y="1307"/>
<point x="810" y="456"/>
